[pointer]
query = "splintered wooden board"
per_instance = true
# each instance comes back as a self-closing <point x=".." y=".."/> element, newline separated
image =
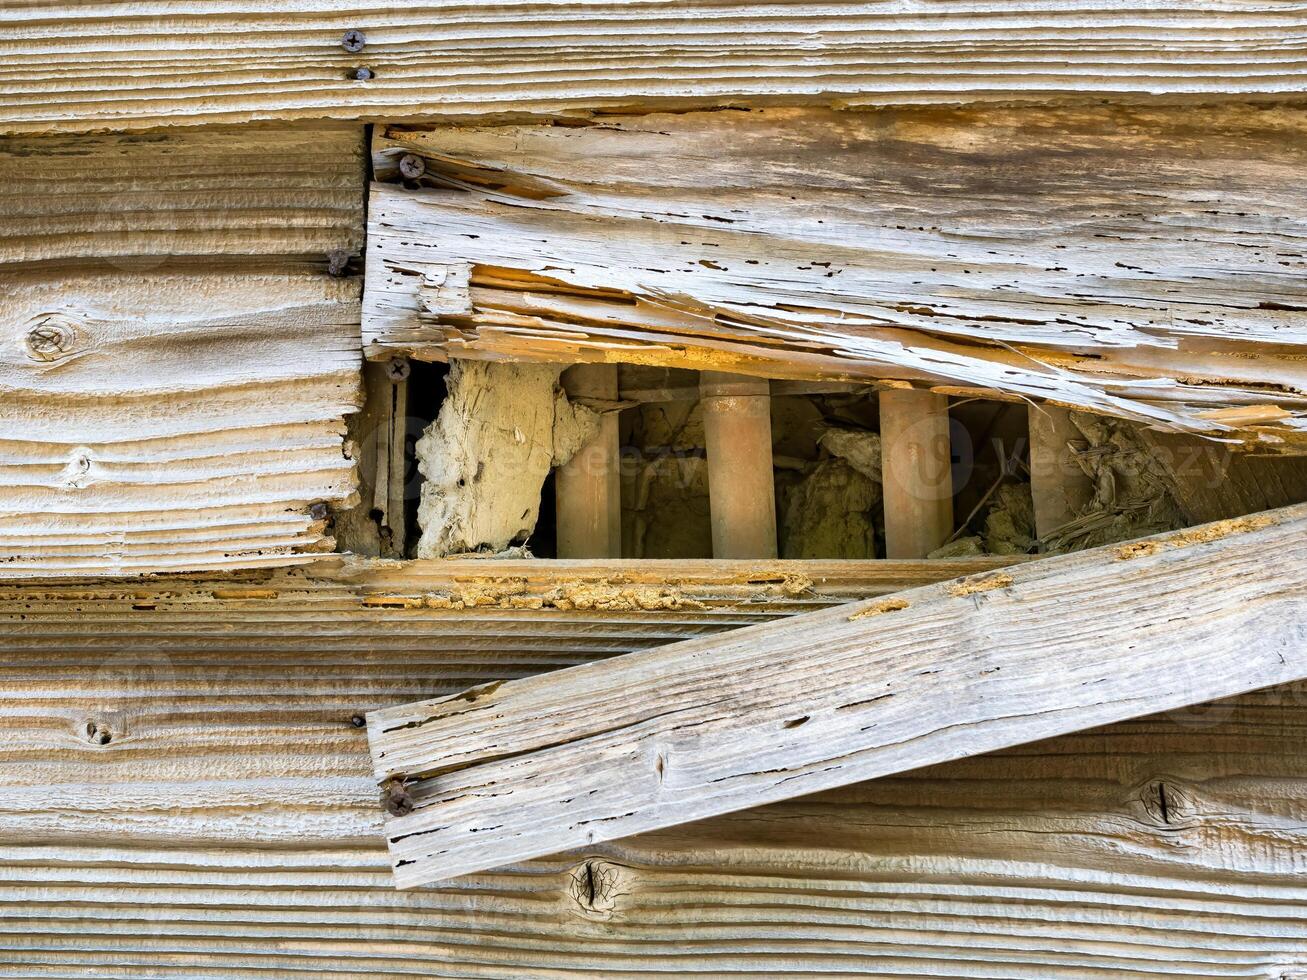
<point x="525" y="768"/>
<point x="230" y="824"/>
<point x="1146" y="264"/>
<point x="78" y="66"/>
<point x="170" y="421"/>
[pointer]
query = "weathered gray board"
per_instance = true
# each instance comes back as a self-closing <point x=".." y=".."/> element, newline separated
<point x="230" y="824"/>
<point x="153" y="63"/>
<point x="505" y="772"/>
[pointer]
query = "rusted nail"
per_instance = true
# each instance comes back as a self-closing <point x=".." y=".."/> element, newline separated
<point x="319" y="511"/>
<point x="395" y="798"/>
<point x="337" y="262"/>
<point x="412" y="166"/>
<point x="361" y="74"/>
<point x="398" y="369"/>
<point x="358" y="721"/>
<point x="353" y="41"/>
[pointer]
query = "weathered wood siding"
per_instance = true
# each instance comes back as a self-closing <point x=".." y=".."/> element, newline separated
<point x="80" y="66"/>
<point x="1140" y="263"/>
<point x="230" y="824"/>
<point x="179" y="362"/>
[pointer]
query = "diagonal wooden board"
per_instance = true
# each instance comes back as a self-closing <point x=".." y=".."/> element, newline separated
<point x="506" y="772"/>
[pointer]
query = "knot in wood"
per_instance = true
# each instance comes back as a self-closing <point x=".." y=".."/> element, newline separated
<point x="412" y="166"/>
<point x="1167" y="803"/>
<point x="594" y="887"/>
<point x="98" y="734"/>
<point x="353" y="41"/>
<point x="50" y="339"/>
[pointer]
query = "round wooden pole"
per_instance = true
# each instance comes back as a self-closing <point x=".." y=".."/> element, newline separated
<point x="916" y="470"/>
<point x="588" y="489"/>
<point x="741" y="489"/>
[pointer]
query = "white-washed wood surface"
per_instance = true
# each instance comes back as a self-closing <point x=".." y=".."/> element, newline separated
<point x="230" y="826"/>
<point x="92" y="65"/>
<point x="176" y="361"/>
<point x="522" y="769"/>
<point x="137" y="200"/>
<point x="1140" y="263"/>
<point x="154" y="421"/>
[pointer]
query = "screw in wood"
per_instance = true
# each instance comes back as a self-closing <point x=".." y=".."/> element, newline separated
<point x="412" y="166"/>
<point x="337" y="262"/>
<point x="361" y="74"/>
<point x="398" y="369"/>
<point x="395" y="798"/>
<point x="358" y="721"/>
<point x="318" y="511"/>
<point x="353" y="41"/>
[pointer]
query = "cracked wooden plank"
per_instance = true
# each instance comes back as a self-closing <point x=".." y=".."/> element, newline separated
<point x="1141" y="263"/>
<point x="231" y="822"/>
<point x="531" y="767"/>
<point x="155" y="63"/>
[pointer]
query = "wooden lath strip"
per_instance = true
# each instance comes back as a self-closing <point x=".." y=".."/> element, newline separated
<point x="525" y="768"/>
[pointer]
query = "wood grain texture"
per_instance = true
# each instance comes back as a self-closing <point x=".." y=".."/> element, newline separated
<point x="169" y="421"/>
<point x="177" y="363"/>
<point x="518" y="770"/>
<point x="86" y="66"/>
<point x="228" y="693"/>
<point x="1139" y="263"/>
<point x="137" y="200"/>
<point x="230" y="825"/>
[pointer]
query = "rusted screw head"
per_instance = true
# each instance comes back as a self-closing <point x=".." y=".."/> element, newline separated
<point x="412" y="166"/>
<point x="318" y="511"/>
<point x="337" y="262"/>
<point x="398" y="369"/>
<point x="395" y="798"/>
<point x="353" y="41"/>
<point x="361" y="74"/>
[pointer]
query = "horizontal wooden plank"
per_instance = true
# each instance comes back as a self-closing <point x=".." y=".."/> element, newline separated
<point x="98" y="65"/>
<point x="1139" y="263"/>
<point x="521" y="769"/>
<point x="213" y="690"/>
<point x="230" y="825"/>
<point x="138" y="200"/>
<point x="155" y="421"/>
